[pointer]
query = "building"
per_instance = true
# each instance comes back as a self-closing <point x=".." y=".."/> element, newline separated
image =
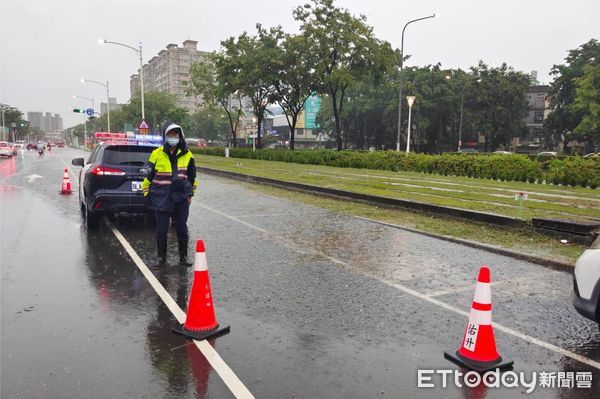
<point x="539" y="108"/>
<point x="46" y="123"/>
<point x="113" y="105"/>
<point x="36" y="120"/>
<point x="167" y="71"/>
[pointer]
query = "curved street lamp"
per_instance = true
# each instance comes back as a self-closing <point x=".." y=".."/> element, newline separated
<point x="139" y="51"/>
<point x="402" y="78"/>
<point x="107" y="98"/>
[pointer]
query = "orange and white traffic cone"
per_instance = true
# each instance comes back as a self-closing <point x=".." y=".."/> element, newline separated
<point x="66" y="184"/>
<point x="478" y="350"/>
<point x="201" y="322"/>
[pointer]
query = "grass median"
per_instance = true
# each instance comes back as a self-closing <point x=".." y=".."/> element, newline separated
<point x="461" y="192"/>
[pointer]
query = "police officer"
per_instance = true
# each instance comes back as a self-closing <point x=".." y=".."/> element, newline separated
<point x="170" y="186"/>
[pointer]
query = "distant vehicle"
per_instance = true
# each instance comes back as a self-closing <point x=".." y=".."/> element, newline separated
<point x="194" y="142"/>
<point x="586" y="283"/>
<point x="111" y="180"/>
<point x="592" y="155"/>
<point x="32" y="146"/>
<point x="60" y="144"/>
<point x="20" y="146"/>
<point x="547" y="154"/>
<point x="502" y="152"/>
<point x="5" y="149"/>
<point x="468" y="151"/>
<point x="13" y="148"/>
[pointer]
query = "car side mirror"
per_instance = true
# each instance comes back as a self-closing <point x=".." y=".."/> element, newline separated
<point x="78" y="162"/>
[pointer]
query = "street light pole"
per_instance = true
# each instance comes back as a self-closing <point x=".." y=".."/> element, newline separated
<point x="139" y="51"/>
<point x="460" y="123"/>
<point x="107" y="98"/>
<point x="410" y="100"/>
<point x="402" y="78"/>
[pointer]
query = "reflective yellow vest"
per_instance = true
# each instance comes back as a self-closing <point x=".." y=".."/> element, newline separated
<point x="160" y="186"/>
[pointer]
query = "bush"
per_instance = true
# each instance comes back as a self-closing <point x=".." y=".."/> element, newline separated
<point x="570" y="170"/>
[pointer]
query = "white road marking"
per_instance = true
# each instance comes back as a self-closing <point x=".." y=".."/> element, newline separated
<point x="237" y="388"/>
<point x="32" y="178"/>
<point x="472" y="287"/>
<point x="410" y="291"/>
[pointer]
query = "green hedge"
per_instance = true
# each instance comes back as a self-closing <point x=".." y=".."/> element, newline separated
<point x="569" y="171"/>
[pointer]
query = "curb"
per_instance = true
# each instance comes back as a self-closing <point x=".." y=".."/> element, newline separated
<point x="551" y="263"/>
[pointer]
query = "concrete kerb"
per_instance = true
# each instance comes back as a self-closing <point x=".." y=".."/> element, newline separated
<point x="390" y="202"/>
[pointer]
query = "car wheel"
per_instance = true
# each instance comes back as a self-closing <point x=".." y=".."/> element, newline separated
<point x="92" y="220"/>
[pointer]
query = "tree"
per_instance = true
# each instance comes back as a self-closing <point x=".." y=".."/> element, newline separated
<point x="501" y="103"/>
<point x="13" y="120"/>
<point x="210" y="79"/>
<point x="565" y="116"/>
<point x="345" y="49"/>
<point x="210" y="123"/>
<point x="587" y="101"/>
<point x="295" y="78"/>
<point x="249" y="61"/>
<point x="437" y="106"/>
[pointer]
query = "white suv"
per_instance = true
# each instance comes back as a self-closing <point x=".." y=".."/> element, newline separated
<point x="586" y="280"/>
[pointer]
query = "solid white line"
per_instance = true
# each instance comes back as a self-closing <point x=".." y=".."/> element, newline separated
<point x="237" y="388"/>
<point x="417" y="294"/>
<point x="472" y="287"/>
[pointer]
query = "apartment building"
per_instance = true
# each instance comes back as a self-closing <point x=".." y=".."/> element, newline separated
<point x="114" y="106"/>
<point x="46" y="123"/>
<point x="538" y="103"/>
<point x="166" y="72"/>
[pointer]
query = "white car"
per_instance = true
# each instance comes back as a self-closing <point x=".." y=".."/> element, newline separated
<point x="586" y="279"/>
<point x="5" y="149"/>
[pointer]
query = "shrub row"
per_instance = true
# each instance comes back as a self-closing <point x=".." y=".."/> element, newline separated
<point x="572" y="171"/>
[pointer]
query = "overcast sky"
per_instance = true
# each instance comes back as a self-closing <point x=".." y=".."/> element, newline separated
<point x="47" y="46"/>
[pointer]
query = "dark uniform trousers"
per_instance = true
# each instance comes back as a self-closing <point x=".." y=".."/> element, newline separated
<point x="180" y="214"/>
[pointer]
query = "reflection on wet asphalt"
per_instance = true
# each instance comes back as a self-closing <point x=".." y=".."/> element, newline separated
<point x="309" y="314"/>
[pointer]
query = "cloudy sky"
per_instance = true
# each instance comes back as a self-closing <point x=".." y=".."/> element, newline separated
<point x="47" y="46"/>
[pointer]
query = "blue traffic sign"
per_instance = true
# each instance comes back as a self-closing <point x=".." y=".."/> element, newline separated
<point x="89" y="112"/>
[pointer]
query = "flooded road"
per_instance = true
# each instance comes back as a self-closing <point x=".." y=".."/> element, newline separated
<point x="319" y="304"/>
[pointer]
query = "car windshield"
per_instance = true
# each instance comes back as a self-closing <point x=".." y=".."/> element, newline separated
<point x="127" y="155"/>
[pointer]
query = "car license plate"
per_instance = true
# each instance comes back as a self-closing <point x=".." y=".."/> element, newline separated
<point x="136" y="186"/>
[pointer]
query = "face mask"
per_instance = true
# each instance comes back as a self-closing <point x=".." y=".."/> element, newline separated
<point x="172" y="141"/>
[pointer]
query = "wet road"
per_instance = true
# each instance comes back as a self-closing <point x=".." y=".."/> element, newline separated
<point x="320" y="305"/>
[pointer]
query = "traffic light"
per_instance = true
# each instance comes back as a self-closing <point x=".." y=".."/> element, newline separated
<point x="79" y="110"/>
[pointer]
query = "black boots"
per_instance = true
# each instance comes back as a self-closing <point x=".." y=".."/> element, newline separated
<point x="183" y="250"/>
<point x="161" y="247"/>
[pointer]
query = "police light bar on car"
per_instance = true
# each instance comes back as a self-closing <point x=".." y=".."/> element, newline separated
<point x="129" y="139"/>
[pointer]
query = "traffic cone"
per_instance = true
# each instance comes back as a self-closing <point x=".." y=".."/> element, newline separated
<point x="201" y="322"/>
<point x="478" y="350"/>
<point x="66" y="184"/>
